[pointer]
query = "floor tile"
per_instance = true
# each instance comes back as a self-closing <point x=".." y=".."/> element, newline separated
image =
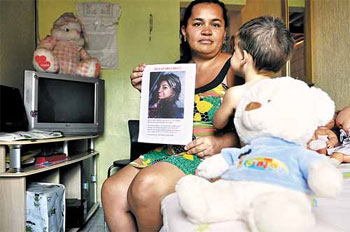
<point x="96" y="223"/>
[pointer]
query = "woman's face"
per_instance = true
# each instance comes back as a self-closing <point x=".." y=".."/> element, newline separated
<point x="165" y="91"/>
<point x="205" y="31"/>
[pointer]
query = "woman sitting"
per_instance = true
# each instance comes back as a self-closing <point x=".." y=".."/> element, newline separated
<point x="131" y="198"/>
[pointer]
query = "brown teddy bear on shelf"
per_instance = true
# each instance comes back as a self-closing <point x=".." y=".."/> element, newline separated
<point x="63" y="52"/>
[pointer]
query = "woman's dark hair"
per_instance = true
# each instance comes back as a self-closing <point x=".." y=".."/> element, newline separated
<point x="184" y="46"/>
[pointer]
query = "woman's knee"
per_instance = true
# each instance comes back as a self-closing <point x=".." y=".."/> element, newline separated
<point x="152" y="184"/>
<point x="118" y="184"/>
<point x="109" y="189"/>
<point x="107" y="186"/>
<point x="114" y="191"/>
<point x="146" y="189"/>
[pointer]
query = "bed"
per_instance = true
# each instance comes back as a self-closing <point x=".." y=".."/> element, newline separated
<point x="331" y="214"/>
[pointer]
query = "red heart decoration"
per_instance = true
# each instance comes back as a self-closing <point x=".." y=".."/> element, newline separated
<point x="42" y="62"/>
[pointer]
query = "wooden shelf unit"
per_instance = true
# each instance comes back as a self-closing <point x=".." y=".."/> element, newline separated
<point x="14" y="181"/>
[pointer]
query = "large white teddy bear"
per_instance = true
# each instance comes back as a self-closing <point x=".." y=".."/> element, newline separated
<point x="270" y="182"/>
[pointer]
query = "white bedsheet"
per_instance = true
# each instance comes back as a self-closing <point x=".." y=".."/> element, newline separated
<point x="332" y="215"/>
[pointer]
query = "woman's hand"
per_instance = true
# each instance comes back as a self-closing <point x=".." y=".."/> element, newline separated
<point x="211" y="144"/>
<point x="204" y="146"/>
<point x="136" y="76"/>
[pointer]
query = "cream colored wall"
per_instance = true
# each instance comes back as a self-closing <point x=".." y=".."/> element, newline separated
<point x="331" y="48"/>
<point x="17" y="40"/>
<point x="251" y="9"/>
<point x="122" y="101"/>
<point x="255" y="8"/>
<point x="296" y="3"/>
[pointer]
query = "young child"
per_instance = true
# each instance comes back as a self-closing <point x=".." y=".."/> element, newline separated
<point x="262" y="46"/>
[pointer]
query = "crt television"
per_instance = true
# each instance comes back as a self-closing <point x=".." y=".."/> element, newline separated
<point x="72" y="105"/>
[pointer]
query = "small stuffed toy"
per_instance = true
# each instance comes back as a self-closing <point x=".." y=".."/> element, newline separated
<point x="63" y="52"/>
<point x="342" y="152"/>
<point x="322" y="140"/>
<point x="270" y="182"/>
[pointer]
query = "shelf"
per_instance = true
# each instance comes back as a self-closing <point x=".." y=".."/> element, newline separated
<point x="34" y="169"/>
<point x="53" y="140"/>
<point x="15" y="149"/>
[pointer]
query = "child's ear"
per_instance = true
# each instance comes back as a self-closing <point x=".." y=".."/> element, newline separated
<point x="245" y="57"/>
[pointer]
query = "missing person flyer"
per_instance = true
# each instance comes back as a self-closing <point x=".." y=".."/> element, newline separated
<point x="166" y="107"/>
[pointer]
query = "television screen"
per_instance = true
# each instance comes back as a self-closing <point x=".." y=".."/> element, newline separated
<point x="62" y="101"/>
<point x="73" y="105"/>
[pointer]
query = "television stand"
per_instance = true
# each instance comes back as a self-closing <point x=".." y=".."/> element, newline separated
<point x="77" y="173"/>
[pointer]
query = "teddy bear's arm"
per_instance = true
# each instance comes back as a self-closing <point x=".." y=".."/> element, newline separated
<point x="83" y="54"/>
<point x="212" y="167"/>
<point x="323" y="178"/>
<point x="48" y="42"/>
<point x="216" y="165"/>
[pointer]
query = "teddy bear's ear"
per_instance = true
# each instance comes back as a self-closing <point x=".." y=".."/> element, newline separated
<point x="63" y="18"/>
<point x="324" y="106"/>
<point x="83" y="32"/>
